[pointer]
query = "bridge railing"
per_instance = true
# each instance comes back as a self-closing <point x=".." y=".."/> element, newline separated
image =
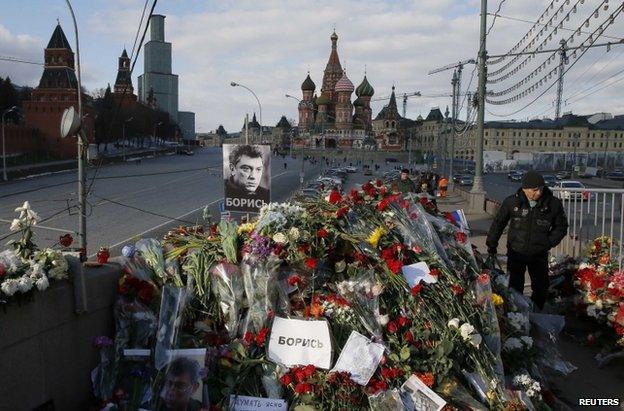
<point x="591" y="213"/>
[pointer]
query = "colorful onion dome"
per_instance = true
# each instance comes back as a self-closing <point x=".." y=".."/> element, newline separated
<point x="344" y="84"/>
<point x="364" y="89"/>
<point x="308" y="84"/>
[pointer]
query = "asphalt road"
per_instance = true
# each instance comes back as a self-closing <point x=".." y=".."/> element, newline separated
<point x="129" y="201"/>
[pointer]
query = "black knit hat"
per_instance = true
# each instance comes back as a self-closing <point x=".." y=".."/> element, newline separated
<point x="405" y="170"/>
<point x="533" y="179"/>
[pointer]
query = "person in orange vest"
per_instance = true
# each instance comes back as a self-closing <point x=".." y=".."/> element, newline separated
<point x="443" y="186"/>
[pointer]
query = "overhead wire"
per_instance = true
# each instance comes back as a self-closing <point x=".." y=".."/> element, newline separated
<point x="18" y="60"/>
<point x="583" y="48"/>
<point x="611" y="19"/>
<point x="593" y="76"/>
<point x="142" y="210"/>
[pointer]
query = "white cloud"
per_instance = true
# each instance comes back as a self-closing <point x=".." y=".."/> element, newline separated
<point x="270" y="45"/>
<point x="23" y="47"/>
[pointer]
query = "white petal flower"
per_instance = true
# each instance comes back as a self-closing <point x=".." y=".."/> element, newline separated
<point x="280" y="238"/>
<point x="293" y="233"/>
<point x="42" y="283"/>
<point x="24" y="284"/>
<point x="528" y="341"/>
<point x="383" y="319"/>
<point x="24" y="208"/>
<point x="340" y="266"/>
<point x="466" y="330"/>
<point x="512" y="344"/>
<point x="16" y="225"/>
<point x="9" y="287"/>
<point x="454" y="323"/>
<point x="33" y="217"/>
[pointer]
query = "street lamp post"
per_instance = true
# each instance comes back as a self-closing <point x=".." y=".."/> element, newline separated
<point x="123" y="130"/>
<point x="234" y="84"/>
<point x="4" y="167"/>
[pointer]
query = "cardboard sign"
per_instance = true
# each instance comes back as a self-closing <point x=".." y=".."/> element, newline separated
<point x="300" y="342"/>
<point x="360" y="357"/>
<point x="244" y="403"/>
<point x="415" y="273"/>
<point x="417" y="396"/>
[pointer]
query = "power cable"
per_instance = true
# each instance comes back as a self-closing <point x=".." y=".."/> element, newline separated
<point x="543" y="24"/>
<point x="136" y="36"/>
<point x="138" y="50"/>
<point x="39" y="222"/>
<point x="549" y="87"/>
<point x="593" y="76"/>
<point x="601" y="88"/>
<point x="18" y="60"/>
<point x="143" y="210"/>
<point x="498" y="9"/>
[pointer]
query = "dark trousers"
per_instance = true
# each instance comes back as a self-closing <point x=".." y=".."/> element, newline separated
<point x="537" y="265"/>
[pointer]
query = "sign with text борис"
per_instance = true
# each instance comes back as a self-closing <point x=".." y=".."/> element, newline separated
<point x="300" y="342"/>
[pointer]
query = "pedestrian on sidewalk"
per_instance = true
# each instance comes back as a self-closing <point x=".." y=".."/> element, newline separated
<point x="404" y="184"/>
<point x="537" y="224"/>
<point x="443" y="186"/>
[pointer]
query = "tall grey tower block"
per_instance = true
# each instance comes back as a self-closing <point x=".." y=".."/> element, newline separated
<point x="157" y="70"/>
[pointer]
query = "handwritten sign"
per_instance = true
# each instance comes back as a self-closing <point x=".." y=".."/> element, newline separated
<point x="300" y="342"/>
<point x="415" y="273"/>
<point x="421" y="397"/>
<point x="360" y="357"/>
<point x="245" y="403"/>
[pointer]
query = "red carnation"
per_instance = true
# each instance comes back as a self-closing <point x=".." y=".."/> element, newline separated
<point x="416" y="289"/>
<point x="457" y="289"/>
<point x="382" y="205"/>
<point x="423" y="200"/>
<point x="334" y="197"/>
<point x="294" y="280"/>
<point x="434" y="272"/>
<point x="248" y="337"/>
<point x="417" y="249"/>
<point x="304" y="248"/>
<point x="391" y="327"/>
<point x="299" y="374"/>
<point x="286" y="379"/>
<point x="461" y="237"/>
<point x="322" y="233"/>
<point x="303" y="387"/>
<point x="394" y="266"/>
<point x="2" y="271"/>
<point x="484" y="278"/>
<point x="261" y="337"/>
<point x="402" y="321"/>
<point x="378" y="183"/>
<point x="66" y="240"/>
<point x="309" y="370"/>
<point x="311" y="263"/>
<point x="408" y="336"/>
<point x="341" y="212"/>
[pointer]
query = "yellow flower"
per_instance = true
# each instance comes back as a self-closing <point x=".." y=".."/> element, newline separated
<point x="497" y="299"/>
<point x="246" y="228"/>
<point x="375" y="236"/>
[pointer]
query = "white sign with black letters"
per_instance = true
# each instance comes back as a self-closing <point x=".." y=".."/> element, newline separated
<point x="420" y="397"/>
<point x="300" y="342"/>
<point x="245" y="403"/>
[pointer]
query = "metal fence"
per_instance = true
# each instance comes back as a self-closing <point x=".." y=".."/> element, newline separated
<point x="591" y="213"/>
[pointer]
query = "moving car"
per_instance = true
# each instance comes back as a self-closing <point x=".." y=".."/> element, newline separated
<point x="466" y="180"/>
<point x="577" y="190"/>
<point x="562" y="175"/>
<point x="550" y="180"/>
<point x="615" y="175"/>
<point x="517" y="176"/>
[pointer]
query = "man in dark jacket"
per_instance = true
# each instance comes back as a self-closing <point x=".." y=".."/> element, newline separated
<point x="404" y="184"/>
<point x="537" y="224"/>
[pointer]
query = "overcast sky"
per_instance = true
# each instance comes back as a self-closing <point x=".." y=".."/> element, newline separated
<point x="270" y="45"/>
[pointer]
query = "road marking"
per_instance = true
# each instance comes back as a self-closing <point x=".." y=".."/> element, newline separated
<point x="159" y="225"/>
<point x="42" y="226"/>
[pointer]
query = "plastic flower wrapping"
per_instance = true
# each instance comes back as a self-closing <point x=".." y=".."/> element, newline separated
<point x="341" y="264"/>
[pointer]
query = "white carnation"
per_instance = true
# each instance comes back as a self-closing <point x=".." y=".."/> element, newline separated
<point x="475" y="339"/>
<point x="280" y="238"/>
<point x="9" y="287"/>
<point x="293" y="233"/>
<point x="453" y="323"/>
<point x="512" y="344"/>
<point x="528" y="341"/>
<point x="24" y="284"/>
<point x="466" y="330"/>
<point x="42" y="283"/>
<point x="16" y="225"/>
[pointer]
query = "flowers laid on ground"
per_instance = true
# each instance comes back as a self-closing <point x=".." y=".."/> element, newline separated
<point x="340" y="262"/>
<point x="24" y="267"/>
<point x="601" y="289"/>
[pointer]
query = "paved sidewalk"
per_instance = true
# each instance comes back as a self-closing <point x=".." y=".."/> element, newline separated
<point x="588" y="381"/>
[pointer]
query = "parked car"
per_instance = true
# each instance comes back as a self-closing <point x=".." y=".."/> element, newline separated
<point x="562" y="175"/>
<point x="550" y="180"/>
<point x="308" y="193"/>
<point x="185" y="152"/>
<point x="351" y="169"/>
<point x="577" y="191"/>
<point x="510" y="173"/>
<point x="368" y="172"/>
<point x="466" y="180"/>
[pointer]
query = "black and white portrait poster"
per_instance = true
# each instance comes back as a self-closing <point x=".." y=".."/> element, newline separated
<point x="246" y="176"/>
